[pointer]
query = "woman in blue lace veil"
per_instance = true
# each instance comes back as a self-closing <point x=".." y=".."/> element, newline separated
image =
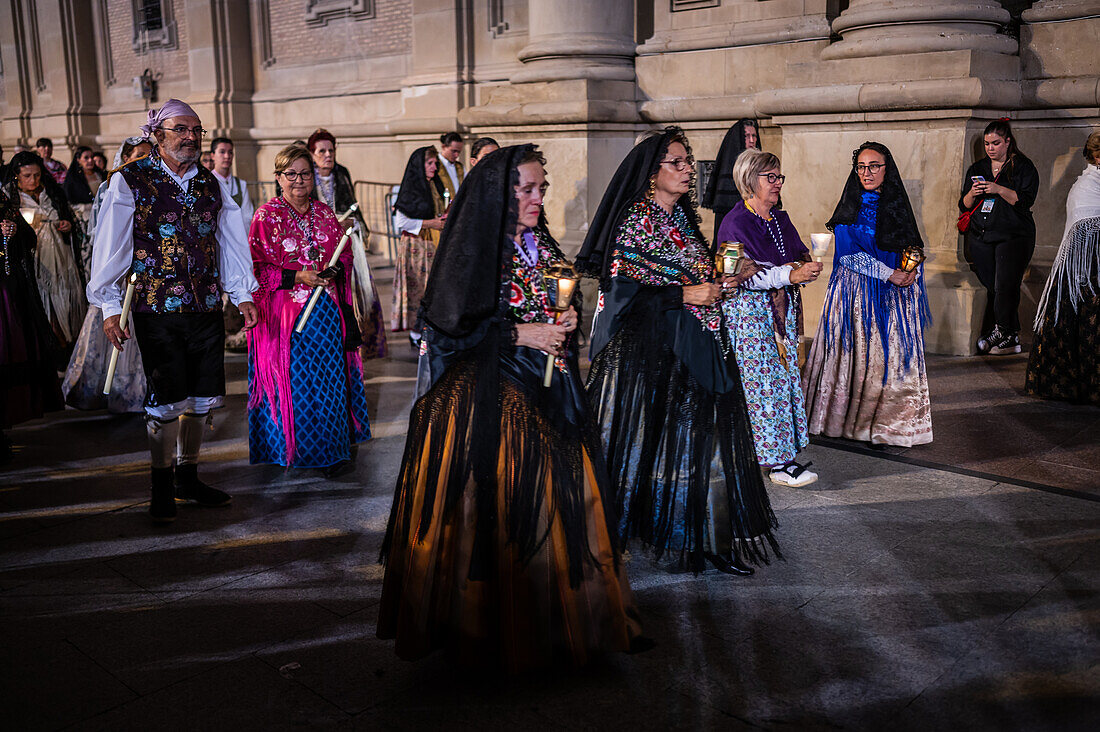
<point x="865" y="376"/>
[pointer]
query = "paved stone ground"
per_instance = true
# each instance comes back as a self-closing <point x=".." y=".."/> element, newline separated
<point x="953" y="586"/>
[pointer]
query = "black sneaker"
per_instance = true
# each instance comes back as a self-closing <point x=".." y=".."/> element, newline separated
<point x="162" y="504"/>
<point x="190" y="488"/>
<point x="986" y="343"/>
<point x="1009" y="343"/>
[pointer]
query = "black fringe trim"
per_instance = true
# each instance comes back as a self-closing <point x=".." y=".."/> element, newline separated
<point x="540" y="452"/>
<point x="680" y="423"/>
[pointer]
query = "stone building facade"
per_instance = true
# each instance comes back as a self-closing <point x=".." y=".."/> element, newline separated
<point x="584" y="78"/>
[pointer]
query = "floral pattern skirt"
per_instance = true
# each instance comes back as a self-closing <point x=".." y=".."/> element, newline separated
<point x="773" y="390"/>
<point x="410" y="278"/>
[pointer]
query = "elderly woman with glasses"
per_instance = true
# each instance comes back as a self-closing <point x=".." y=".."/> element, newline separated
<point x="864" y="378"/>
<point x="664" y="384"/>
<point x="306" y="405"/>
<point x="764" y="315"/>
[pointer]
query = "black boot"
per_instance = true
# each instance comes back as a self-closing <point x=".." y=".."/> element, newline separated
<point x="190" y="488"/>
<point x="162" y="505"/>
<point x="729" y="564"/>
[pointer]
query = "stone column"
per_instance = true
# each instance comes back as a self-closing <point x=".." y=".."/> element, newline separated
<point x="575" y="97"/>
<point x="896" y="62"/>
<point x="579" y="39"/>
<point x="220" y="73"/>
<point x="892" y="27"/>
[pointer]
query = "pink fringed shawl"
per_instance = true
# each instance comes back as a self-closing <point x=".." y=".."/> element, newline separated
<point x="277" y="243"/>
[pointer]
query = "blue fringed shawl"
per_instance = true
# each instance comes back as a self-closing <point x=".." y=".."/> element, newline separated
<point x="885" y="305"/>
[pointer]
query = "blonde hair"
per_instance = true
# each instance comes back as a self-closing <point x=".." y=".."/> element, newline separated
<point x="286" y="157"/>
<point x="1091" y="150"/>
<point x="748" y="166"/>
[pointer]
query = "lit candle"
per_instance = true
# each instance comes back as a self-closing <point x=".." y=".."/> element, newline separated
<point x="819" y="244"/>
<point x="28" y="215"/>
<point x="560" y="281"/>
<point x="911" y="257"/>
<point x="730" y="258"/>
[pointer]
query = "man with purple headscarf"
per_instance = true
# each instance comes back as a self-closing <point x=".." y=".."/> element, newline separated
<point x="168" y="221"/>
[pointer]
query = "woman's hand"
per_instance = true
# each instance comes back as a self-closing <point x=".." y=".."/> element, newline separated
<point x="547" y="337"/>
<point x="310" y="278"/>
<point x="436" y="223"/>
<point x="990" y="188"/>
<point x="64" y="227"/>
<point x="7" y="228"/>
<point x="806" y="272"/>
<point x="569" y="320"/>
<point x="901" y="278"/>
<point x="749" y="269"/>
<point x="704" y="294"/>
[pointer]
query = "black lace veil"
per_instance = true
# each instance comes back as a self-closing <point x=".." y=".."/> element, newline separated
<point x="896" y="227"/>
<point x="629" y="184"/>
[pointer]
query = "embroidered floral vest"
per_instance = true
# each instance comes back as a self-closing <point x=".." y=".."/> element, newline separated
<point x="175" y="250"/>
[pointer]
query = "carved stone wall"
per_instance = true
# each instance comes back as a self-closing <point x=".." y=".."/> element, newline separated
<point x="585" y="78"/>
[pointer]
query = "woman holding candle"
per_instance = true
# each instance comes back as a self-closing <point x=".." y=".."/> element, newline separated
<point x="84" y="379"/>
<point x="864" y="378"/>
<point x="28" y="381"/>
<point x="60" y="280"/>
<point x="1065" y="358"/>
<point x="499" y="546"/>
<point x="664" y="384"/>
<point x="764" y="316"/>
<point x="419" y="213"/>
<point x="306" y="405"/>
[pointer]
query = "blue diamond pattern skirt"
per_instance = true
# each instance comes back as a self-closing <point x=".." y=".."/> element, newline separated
<point x="325" y="396"/>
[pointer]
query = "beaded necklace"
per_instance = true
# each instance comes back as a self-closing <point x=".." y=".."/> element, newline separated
<point x="313" y="252"/>
<point x="775" y="233"/>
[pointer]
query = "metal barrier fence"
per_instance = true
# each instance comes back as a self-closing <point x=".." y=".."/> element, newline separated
<point x="375" y="203"/>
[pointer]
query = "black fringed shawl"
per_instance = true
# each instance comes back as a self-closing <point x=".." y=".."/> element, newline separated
<point x="895" y="227"/>
<point x="477" y="372"/>
<point x="666" y="393"/>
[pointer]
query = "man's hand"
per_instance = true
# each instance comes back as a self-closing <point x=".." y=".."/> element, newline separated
<point x="64" y="227"/>
<point x="250" y="314"/>
<point x="115" y="334"/>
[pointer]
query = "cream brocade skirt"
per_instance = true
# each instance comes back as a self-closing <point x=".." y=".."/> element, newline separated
<point x="846" y="395"/>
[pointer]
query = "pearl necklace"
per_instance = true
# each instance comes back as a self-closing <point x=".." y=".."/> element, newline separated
<point x="775" y="233"/>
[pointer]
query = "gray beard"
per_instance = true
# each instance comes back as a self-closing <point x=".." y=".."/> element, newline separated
<point x="186" y="154"/>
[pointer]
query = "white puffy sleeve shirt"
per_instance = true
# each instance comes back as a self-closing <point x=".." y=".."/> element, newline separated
<point x="113" y="248"/>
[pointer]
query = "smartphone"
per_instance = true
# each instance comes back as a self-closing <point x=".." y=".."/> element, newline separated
<point x="976" y="179"/>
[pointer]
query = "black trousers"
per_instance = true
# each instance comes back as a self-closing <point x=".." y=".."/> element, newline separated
<point x="1000" y="266"/>
<point x="183" y="355"/>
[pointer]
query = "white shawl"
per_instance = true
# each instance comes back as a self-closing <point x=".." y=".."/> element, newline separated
<point x="1078" y="250"/>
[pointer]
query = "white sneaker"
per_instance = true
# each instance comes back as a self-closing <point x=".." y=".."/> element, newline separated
<point x="793" y="475"/>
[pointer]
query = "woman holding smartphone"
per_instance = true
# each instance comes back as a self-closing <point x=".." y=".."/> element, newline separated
<point x="1000" y="189"/>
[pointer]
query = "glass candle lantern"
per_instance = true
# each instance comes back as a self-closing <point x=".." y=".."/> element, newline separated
<point x="911" y="257"/>
<point x="730" y="258"/>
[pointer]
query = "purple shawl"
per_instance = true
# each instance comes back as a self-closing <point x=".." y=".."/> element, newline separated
<point x="744" y="226"/>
